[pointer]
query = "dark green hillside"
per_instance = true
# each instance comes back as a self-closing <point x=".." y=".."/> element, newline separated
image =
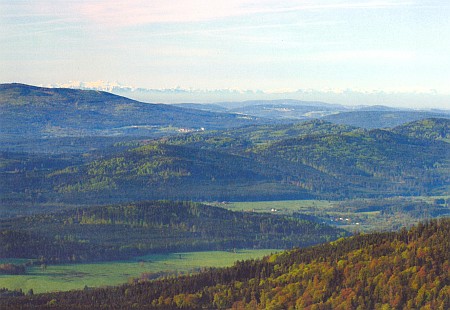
<point x="409" y="269"/>
<point x="373" y="161"/>
<point x="23" y="176"/>
<point x="37" y="112"/>
<point x="69" y="145"/>
<point x="241" y="140"/>
<point x="160" y="170"/>
<point x="342" y="164"/>
<point x="381" y="119"/>
<point x="313" y="159"/>
<point x="328" y="159"/>
<point x="123" y="231"/>
<point x="432" y="128"/>
<point x="26" y="95"/>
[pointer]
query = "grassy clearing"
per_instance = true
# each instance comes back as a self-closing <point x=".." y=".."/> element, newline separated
<point x="308" y="206"/>
<point x="283" y="206"/>
<point x="343" y="214"/>
<point x="77" y="276"/>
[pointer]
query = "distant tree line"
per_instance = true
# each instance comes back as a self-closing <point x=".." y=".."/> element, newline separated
<point x="409" y="269"/>
<point x="128" y="230"/>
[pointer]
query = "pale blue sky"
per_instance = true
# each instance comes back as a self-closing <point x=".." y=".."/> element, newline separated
<point x="270" y="45"/>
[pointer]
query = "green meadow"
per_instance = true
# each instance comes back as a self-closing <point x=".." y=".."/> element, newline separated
<point x="283" y="206"/>
<point x="336" y="213"/>
<point x="78" y="276"/>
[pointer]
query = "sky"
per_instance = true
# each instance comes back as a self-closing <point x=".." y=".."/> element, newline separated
<point x="399" y="49"/>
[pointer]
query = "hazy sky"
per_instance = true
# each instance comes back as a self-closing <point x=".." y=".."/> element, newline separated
<point x="270" y="45"/>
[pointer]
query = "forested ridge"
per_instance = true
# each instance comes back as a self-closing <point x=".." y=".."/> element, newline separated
<point x="409" y="269"/>
<point x="313" y="159"/>
<point x="129" y="230"/>
<point x="385" y="118"/>
<point x="432" y="128"/>
<point x="62" y="112"/>
<point x="91" y="156"/>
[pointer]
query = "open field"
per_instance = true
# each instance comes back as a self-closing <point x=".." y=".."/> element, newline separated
<point x="378" y="214"/>
<point x="280" y="206"/>
<point x="77" y="276"/>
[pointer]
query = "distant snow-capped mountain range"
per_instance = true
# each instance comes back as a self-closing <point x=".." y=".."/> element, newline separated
<point x="98" y="85"/>
<point x="116" y="86"/>
<point x="181" y="95"/>
<point x="349" y="97"/>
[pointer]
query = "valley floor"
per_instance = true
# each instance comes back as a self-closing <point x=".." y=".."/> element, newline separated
<point x="68" y="277"/>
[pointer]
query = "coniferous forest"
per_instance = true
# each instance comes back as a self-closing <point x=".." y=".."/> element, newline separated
<point x="86" y="179"/>
<point x="409" y="269"/>
<point x="247" y="155"/>
<point x="108" y="233"/>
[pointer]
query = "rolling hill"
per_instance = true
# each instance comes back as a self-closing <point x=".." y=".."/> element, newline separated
<point x="29" y="112"/>
<point x="371" y="119"/>
<point x="313" y="159"/>
<point x="403" y="270"/>
<point x="310" y="159"/>
<point x="122" y="231"/>
<point x="431" y="129"/>
<point x="73" y="146"/>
